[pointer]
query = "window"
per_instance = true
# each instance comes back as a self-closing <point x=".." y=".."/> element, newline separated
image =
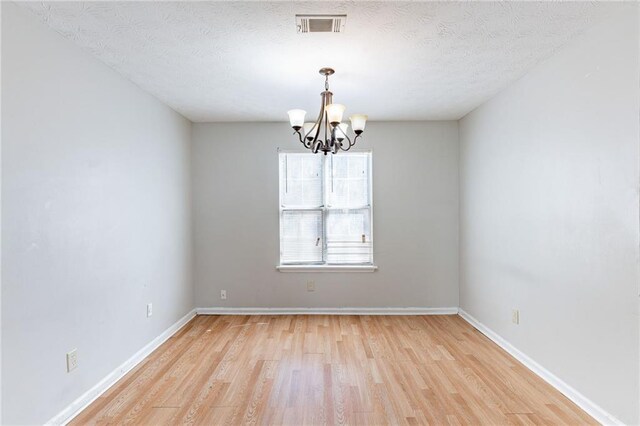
<point x="325" y="209"/>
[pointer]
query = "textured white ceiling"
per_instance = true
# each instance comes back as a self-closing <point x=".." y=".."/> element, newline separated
<point x="244" y="61"/>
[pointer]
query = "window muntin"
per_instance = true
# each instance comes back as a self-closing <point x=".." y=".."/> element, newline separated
<point x="325" y="209"/>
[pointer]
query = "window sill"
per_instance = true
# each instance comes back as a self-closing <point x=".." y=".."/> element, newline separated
<point x="327" y="268"/>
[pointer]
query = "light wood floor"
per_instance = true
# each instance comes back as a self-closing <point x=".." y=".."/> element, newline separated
<point x="298" y="370"/>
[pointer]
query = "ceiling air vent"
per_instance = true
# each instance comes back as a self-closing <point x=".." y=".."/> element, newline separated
<point x="320" y="23"/>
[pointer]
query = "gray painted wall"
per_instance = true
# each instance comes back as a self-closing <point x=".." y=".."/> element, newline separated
<point x="415" y="196"/>
<point x="95" y="219"/>
<point x="549" y="214"/>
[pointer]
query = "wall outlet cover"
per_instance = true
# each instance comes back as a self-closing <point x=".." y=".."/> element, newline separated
<point x="223" y="294"/>
<point x="515" y="316"/>
<point x="149" y="309"/>
<point x="311" y="286"/>
<point x="72" y="360"/>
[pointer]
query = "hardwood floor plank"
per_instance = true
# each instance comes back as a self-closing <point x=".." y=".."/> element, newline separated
<point x="331" y="370"/>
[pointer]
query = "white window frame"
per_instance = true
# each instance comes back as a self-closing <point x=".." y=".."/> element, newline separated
<point x="326" y="267"/>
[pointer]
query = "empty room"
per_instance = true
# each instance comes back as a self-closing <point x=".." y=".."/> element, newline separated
<point x="320" y="213"/>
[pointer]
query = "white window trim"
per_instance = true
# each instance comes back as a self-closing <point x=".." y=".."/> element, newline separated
<point x="369" y="267"/>
<point x="327" y="268"/>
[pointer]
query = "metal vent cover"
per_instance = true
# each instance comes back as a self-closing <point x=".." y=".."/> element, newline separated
<point x="320" y="23"/>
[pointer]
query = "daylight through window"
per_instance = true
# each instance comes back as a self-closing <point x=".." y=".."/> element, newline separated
<point x="325" y="209"/>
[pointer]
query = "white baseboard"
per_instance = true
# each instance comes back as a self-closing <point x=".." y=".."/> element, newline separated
<point x="92" y="394"/>
<point x="580" y="400"/>
<point x="327" y="311"/>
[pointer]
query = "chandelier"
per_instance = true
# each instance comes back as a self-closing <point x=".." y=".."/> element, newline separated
<point x="329" y="123"/>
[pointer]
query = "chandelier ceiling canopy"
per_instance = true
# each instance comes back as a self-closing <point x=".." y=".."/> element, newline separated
<point x="328" y="133"/>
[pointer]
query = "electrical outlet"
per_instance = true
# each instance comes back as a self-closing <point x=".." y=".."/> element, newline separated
<point x="149" y="309"/>
<point x="223" y="294"/>
<point x="72" y="360"/>
<point x="311" y="286"/>
<point x="515" y="316"/>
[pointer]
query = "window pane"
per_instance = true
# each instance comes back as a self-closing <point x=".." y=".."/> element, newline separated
<point x="349" y="180"/>
<point x="349" y="236"/>
<point x="301" y="236"/>
<point x="301" y="180"/>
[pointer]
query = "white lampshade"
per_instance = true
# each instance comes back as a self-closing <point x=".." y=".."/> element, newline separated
<point x="341" y="132"/>
<point x="358" y="122"/>
<point x="334" y="112"/>
<point x="296" y="117"/>
<point x="308" y="127"/>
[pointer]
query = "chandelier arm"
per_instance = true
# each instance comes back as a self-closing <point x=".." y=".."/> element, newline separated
<point x="319" y="120"/>
<point x="354" y="140"/>
<point x="303" y="141"/>
<point x="316" y="146"/>
<point x="335" y="143"/>
<point x="326" y="127"/>
<point x="350" y="143"/>
<point x="349" y="139"/>
<point x="315" y="126"/>
<point x="327" y="98"/>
